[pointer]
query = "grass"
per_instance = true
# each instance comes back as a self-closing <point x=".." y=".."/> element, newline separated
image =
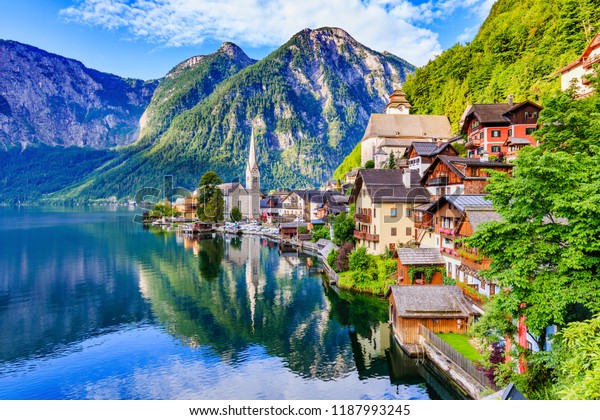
<point x="460" y="342"/>
<point x="374" y="287"/>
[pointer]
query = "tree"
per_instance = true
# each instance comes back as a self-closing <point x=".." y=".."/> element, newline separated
<point x="236" y="214"/>
<point x="210" y="198"/>
<point x="359" y="260"/>
<point x="369" y="164"/>
<point x="391" y="162"/>
<point x="546" y="249"/>
<point x="343" y="229"/>
<point x="320" y="232"/>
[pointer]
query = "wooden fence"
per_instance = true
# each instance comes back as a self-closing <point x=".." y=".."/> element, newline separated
<point x="458" y="359"/>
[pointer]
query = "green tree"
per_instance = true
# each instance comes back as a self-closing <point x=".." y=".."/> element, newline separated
<point x="236" y="214"/>
<point x="391" y="162"/>
<point x="210" y="198"/>
<point x="320" y="232"/>
<point x="359" y="260"/>
<point x="369" y="164"/>
<point x="546" y="248"/>
<point x="343" y="228"/>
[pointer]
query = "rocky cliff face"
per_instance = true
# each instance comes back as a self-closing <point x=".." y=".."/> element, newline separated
<point x="309" y="103"/>
<point x="52" y="100"/>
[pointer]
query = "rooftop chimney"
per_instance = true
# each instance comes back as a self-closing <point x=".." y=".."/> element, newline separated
<point x="406" y="177"/>
<point x="510" y="99"/>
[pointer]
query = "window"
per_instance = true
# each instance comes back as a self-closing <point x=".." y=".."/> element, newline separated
<point x="535" y="115"/>
<point x="407" y="212"/>
<point x="510" y="132"/>
<point x="374" y="212"/>
<point x="529" y="130"/>
<point x="495" y="149"/>
<point x="394" y="232"/>
<point x="393" y="213"/>
<point x="408" y="231"/>
<point x="495" y="133"/>
<point x="527" y="115"/>
<point x="481" y="135"/>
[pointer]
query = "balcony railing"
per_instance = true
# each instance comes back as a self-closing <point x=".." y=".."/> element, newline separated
<point x="447" y="231"/>
<point x="363" y="218"/>
<point x="473" y="144"/>
<point x="425" y="224"/>
<point x="372" y="237"/>
<point x="449" y="251"/>
<point x="440" y="180"/>
<point x="476" y="263"/>
<point x="359" y="235"/>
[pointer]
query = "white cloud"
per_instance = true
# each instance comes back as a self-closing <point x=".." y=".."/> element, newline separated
<point x="398" y="26"/>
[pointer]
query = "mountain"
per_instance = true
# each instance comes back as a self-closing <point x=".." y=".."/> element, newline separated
<point x="517" y="51"/>
<point x="309" y="103"/>
<point x="52" y="100"/>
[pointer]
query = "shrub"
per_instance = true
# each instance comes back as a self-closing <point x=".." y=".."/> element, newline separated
<point x="359" y="260"/>
<point x="332" y="257"/>
<point x="341" y="262"/>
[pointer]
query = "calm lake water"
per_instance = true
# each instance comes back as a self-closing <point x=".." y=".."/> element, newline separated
<point x="93" y="306"/>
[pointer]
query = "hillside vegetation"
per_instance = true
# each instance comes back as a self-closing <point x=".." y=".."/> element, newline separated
<point x="517" y="51"/>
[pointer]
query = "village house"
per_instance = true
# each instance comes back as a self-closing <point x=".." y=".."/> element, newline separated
<point x="186" y="206"/>
<point x="451" y="175"/>
<point x="334" y="203"/>
<point x="439" y="308"/>
<point x="449" y="220"/>
<point x="573" y="74"/>
<point x="396" y="130"/>
<point x="384" y="200"/>
<point x="419" y="266"/>
<point x="421" y="154"/>
<point x="292" y="206"/>
<point x="489" y="126"/>
<point x="271" y="208"/>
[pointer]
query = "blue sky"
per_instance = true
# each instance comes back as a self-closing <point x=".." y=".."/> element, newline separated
<point x="146" y="38"/>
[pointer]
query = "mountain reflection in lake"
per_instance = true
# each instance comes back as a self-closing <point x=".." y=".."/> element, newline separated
<point x="106" y="309"/>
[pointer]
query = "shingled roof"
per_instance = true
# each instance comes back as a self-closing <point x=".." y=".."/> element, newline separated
<point x="408" y="126"/>
<point x="387" y="186"/>
<point x="420" y="256"/>
<point x="425" y="148"/>
<point x="454" y="163"/>
<point x="433" y="301"/>
<point x="479" y="216"/>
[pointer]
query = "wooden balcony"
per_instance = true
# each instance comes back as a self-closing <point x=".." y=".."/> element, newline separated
<point x="362" y="218"/>
<point x="424" y="224"/>
<point x="371" y="237"/>
<point x="447" y="232"/>
<point x="359" y="235"/>
<point x="437" y="181"/>
<point x="475" y="262"/>
<point x="473" y="144"/>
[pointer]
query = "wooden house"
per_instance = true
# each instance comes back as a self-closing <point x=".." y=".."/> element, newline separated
<point x="421" y="154"/>
<point x="458" y="175"/>
<point x="290" y="230"/>
<point x="419" y="266"/>
<point x="440" y="308"/>
<point x="489" y="126"/>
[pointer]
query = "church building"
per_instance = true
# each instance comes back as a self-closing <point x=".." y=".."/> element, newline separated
<point x="247" y="199"/>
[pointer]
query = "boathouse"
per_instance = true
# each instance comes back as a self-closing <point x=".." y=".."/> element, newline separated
<point x="419" y="266"/>
<point x="440" y="308"/>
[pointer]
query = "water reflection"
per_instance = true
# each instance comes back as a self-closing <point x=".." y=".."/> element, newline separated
<point x="97" y="307"/>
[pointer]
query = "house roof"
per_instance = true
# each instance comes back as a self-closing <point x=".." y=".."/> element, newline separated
<point x="230" y="186"/>
<point x="426" y="148"/>
<point x="433" y="301"/>
<point x="387" y="186"/>
<point x="586" y="53"/>
<point x="270" y="202"/>
<point x="462" y="202"/>
<point x="495" y="114"/>
<point x="420" y="256"/>
<point x="516" y="141"/>
<point x="455" y="164"/>
<point x="479" y="216"/>
<point x="400" y="126"/>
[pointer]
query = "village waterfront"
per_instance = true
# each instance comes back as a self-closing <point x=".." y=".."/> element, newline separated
<point x="95" y="306"/>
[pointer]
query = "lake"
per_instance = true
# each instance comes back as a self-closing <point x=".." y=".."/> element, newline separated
<point x="94" y="306"/>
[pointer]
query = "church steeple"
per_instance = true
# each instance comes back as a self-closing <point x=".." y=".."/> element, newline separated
<point x="252" y="172"/>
